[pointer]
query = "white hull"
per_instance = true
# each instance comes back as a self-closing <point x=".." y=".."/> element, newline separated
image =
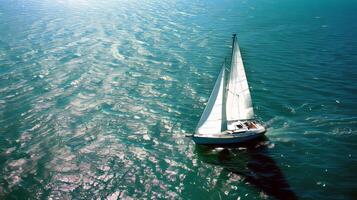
<point x="228" y="138"/>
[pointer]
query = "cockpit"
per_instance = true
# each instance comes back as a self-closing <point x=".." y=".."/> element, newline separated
<point x="241" y="125"/>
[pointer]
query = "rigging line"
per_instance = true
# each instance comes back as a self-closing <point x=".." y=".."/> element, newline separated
<point x="244" y="90"/>
<point x="232" y="92"/>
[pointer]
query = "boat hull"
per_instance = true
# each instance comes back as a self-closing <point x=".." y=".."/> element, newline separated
<point x="228" y="138"/>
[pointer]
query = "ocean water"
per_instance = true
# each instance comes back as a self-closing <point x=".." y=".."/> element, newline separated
<point x="96" y="98"/>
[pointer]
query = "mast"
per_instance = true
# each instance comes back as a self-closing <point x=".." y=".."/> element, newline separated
<point x="233" y="41"/>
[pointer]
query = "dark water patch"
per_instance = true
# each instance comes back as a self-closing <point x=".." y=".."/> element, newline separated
<point x="253" y="164"/>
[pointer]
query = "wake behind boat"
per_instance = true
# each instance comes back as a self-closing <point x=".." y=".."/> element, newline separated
<point x="229" y="116"/>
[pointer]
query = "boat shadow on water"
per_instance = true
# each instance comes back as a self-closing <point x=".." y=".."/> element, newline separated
<point x="252" y="162"/>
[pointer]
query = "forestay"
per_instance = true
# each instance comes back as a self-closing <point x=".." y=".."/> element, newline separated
<point x="211" y="119"/>
<point x="238" y="102"/>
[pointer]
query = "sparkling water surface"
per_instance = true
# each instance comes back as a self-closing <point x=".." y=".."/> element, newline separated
<point x="96" y="98"/>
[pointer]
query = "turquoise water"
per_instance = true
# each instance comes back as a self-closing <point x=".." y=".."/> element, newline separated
<point x="96" y="97"/>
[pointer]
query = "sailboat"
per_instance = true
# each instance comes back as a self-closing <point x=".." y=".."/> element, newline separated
<point x="229" y="116"/>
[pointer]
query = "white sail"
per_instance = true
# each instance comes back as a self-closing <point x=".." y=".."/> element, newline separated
<point x="211" y="119"/>
<point x="238" y="101"/>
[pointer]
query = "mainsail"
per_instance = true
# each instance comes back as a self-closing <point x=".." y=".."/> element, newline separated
<point x="238" y="101"/>
<point x="211" y="119"/>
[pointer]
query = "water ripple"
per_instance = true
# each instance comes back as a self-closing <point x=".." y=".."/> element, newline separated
<point x="95" y="99"/>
